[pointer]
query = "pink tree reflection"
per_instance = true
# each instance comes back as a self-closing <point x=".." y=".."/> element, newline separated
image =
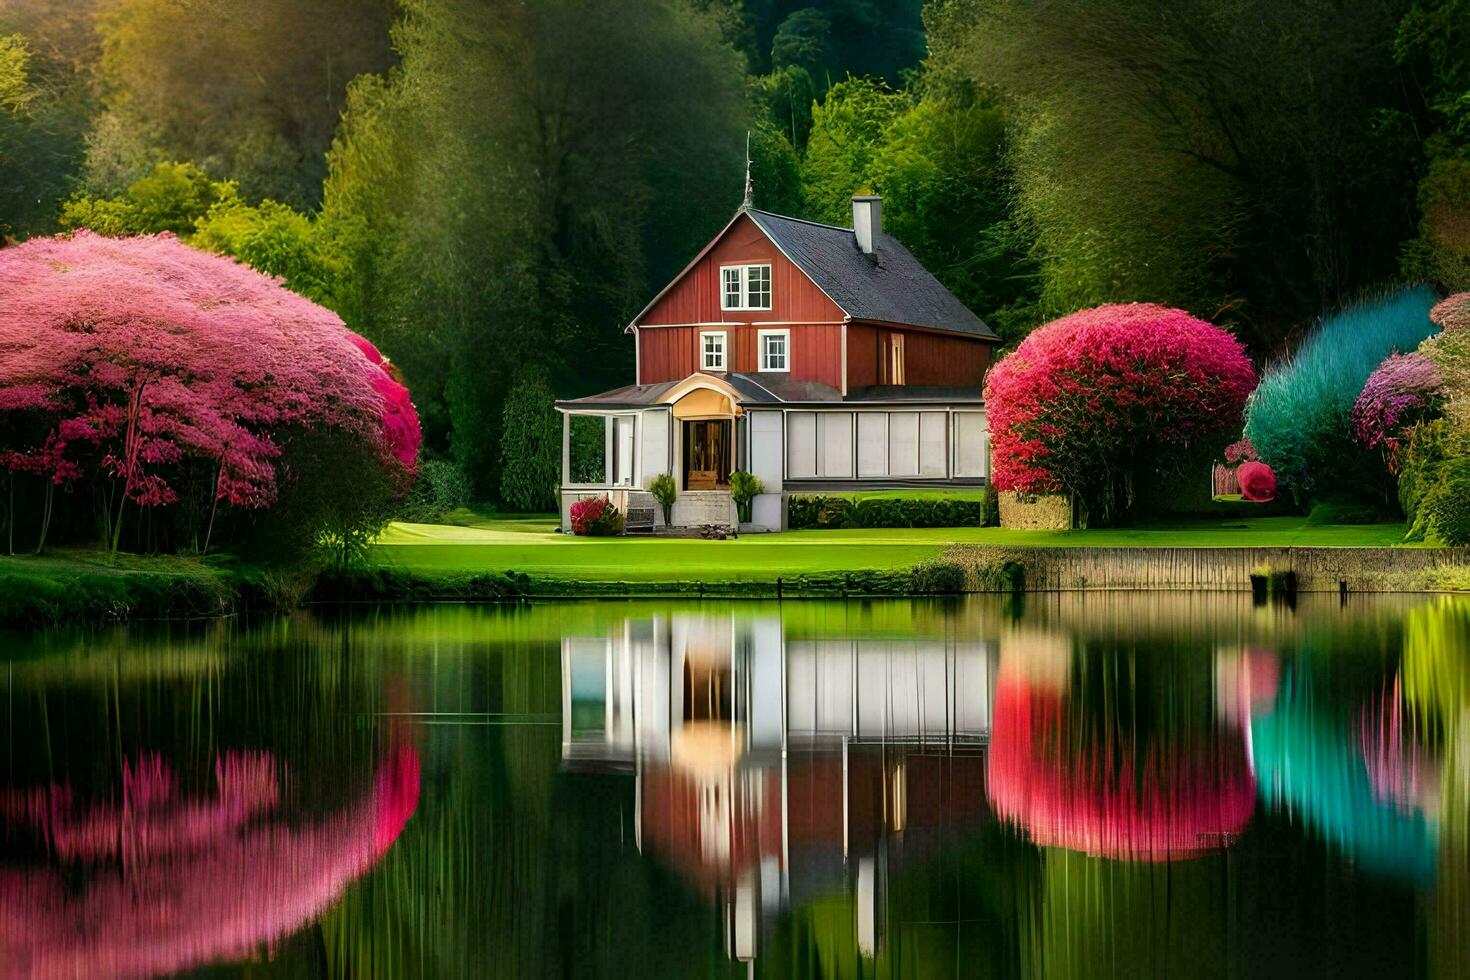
<point x="1158" y="801"/>
<point x="177" y="882"/>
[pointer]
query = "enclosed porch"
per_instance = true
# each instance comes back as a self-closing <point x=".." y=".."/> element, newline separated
<point x="617" y="443"/>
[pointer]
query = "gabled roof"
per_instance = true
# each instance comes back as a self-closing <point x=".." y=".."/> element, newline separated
<point x="894" y="289"/>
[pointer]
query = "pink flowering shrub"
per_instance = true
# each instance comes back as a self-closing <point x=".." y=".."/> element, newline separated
<point x="1092" y="401"/>
<point x="1452" y="313"/>
<point x="143" y="361"/>
<point x="1404" y="390"/>
<point x="1240" y="452"/>
<point x="596" y="517"/>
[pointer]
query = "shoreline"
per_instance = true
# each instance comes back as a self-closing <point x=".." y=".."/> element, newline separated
<point x="60" y="590"/>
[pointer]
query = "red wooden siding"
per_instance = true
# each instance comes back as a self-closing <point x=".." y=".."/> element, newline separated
<point x="696" y="297"/>
<point x="929" y="358"/>
<point x="672" y="353"/>
<point x="943" y="359"/>
<point x="668" y="335"/>
<point x="862" y="355"/>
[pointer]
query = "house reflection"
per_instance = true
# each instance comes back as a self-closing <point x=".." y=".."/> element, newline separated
<point x="775" y="766"/>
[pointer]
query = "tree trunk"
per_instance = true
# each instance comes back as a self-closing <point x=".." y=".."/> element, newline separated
<point x="213" y="509"/>
<point x="117" y="524"/>
<point x="46" y="516"/>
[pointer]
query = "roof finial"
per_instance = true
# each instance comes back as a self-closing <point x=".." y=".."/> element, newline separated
<point x="749" y="187"/>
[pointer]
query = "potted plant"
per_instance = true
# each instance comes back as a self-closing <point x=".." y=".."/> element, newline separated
<point x="664" y="492"/>
<point x="744" y="487"/>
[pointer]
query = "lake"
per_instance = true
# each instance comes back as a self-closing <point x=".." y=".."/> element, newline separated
<point x="1089" y="784"/>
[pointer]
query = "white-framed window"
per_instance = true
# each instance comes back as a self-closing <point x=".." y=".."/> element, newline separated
<point x="745" y="287"/>
<point x="733" y="287"/>
<point x="775" y="349"/>
<point x="712" y="350"/>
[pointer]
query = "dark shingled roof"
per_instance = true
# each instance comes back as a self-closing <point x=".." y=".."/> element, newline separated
<point x="628" y="396"/>
<point x="895" y="289"/>
<point x="779" y="389"/>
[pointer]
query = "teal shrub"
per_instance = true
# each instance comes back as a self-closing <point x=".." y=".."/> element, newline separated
<point x="1300" y="417"/>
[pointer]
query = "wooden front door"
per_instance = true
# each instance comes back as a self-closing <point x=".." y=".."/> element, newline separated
<point x="706" y="454"/>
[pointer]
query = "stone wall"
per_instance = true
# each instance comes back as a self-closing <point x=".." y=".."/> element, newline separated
<point x="1217" y="569"/>
<point x="1036" y="511"/>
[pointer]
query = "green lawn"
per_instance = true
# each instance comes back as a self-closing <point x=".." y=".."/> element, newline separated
<point x="531" y="545"/>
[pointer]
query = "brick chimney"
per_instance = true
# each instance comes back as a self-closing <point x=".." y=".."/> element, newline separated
<point x="867" y="221"/>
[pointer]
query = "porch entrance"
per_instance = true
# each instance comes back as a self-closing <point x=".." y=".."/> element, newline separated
<point x="707" y="446"/>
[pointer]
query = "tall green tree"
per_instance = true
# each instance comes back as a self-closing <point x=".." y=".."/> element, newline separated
<point x="48" y="51"/>
<point x="1244" y="157"/>
<point x="248" y="89"/>
<point x="508" y="200"/>
<point x="1432" y="44"/>
<point x="938" y="153"/>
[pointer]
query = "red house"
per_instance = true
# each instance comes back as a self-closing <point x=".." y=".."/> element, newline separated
<point x="816" y="357"/>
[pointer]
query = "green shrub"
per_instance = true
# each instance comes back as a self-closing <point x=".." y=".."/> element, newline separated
<point x="442" y="486"/>
<point x="938" y="578"/>
<point x="744" y="487"/>
<point x="665" y="492"/>
<point x="1424" y="470"/>
<point x="833" y="512"/>
<point x="1346" y="512"/>
<point x="530" y="445"/>
<point x="1448" y="505"/>
<point x="825" y="513"/>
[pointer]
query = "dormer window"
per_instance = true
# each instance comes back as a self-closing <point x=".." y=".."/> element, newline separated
<point x="745" y="287"/>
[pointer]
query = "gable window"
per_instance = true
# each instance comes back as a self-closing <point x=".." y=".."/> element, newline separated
<point x="745" y="287"/>
<point x="734" y="288"/>
<point x="712" y="350"/>
<point x="775" y="350"/>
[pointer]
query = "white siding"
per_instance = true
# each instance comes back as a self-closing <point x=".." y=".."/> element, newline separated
<point x="765" y="448"/>
<point x="872" y="444"/>
<point x="972" y="445"/>
<point x="836" y="445"/>
<point x="801" y="444"/>
<point x="624" y="475"/>
<point x="903" y="444"/>
<point x="933" y="446"/>
<point x="654" y="444"/>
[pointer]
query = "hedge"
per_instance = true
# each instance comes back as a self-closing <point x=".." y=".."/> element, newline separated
<point x="833" y="512"/>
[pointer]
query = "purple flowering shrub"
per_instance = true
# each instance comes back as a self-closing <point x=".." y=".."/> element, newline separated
<point x="1404" y="390"/>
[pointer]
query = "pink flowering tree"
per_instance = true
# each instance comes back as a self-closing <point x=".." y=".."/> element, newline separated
<point x="141" y="362"/>
<point x="1092" y="403"/>
<point x="1403" y="391"/>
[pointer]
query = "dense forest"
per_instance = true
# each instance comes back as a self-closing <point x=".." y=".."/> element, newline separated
<point x="488" y="189"/>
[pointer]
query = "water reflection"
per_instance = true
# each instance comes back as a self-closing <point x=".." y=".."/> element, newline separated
<point x="1114" y="785"/>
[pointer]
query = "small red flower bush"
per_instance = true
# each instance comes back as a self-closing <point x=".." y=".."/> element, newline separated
<point x="1091" y="402"/>
<point x="596" y="517"/>
<point x="1257" y="481"/>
